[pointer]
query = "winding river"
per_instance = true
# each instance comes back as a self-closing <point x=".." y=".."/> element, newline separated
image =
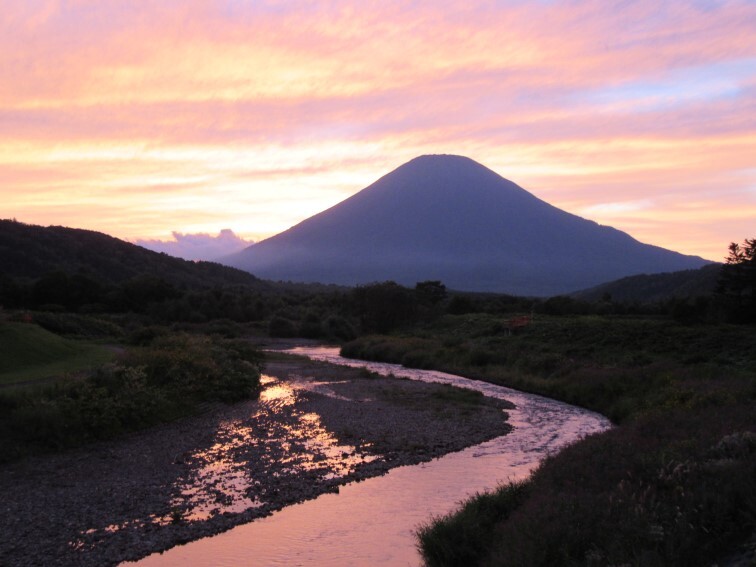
<point x="373" y="522"/>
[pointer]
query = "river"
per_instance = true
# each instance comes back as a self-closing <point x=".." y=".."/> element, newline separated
<point x="373" y="522"/>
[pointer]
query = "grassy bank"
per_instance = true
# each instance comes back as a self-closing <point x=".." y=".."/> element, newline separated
<point x="29" y="352"/>
<point x="672" y="484"/>
<point x="171" y="377"/>
<point x="621" y="367"/>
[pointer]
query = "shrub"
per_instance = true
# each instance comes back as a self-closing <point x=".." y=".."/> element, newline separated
<point x="77" y="325"/>
<point x="310" y="327"/>
<point x="337" y="327"/>
<point x="281" y="327"/>
<point x="144" y="336"/>
<point x="462" y="539"/>
<point x="417" y="359"/>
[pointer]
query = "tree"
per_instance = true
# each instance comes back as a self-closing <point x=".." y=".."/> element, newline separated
<point x="738" y="279"/>
<point x="431" y="292"/>
<point x="53" y="288"/>
<point x="381" y="307"/>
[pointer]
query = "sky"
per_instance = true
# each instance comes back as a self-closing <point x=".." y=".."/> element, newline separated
<point x="147" y="120"/>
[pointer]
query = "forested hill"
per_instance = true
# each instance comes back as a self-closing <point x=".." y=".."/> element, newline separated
<point x="30" y="252"/>
<point x="649" y="288"/>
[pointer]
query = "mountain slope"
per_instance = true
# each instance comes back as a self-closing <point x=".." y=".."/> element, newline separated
<point x="29" y="251"/>
<point x="450" y="218"/>
<point x="648" y="288"/>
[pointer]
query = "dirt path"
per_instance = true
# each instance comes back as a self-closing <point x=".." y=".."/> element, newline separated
<point x="316" y="426"/>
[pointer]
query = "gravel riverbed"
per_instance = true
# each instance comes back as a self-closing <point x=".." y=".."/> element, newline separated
<point x="315" y="427"/>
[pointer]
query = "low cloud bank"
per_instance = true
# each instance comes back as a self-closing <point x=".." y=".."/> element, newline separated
<point x="200" y="246"/>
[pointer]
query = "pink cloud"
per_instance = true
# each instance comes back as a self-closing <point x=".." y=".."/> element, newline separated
<point x="199" y="246"/>
<point x="113" y="105"/>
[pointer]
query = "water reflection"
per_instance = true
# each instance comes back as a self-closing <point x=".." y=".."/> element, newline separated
<point x="234" y="474"/>
<point x="249" y="460"/>
<point x="217" y="483"/>
<point x="373" y="522"/>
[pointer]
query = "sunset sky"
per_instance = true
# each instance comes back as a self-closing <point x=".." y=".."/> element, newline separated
<point x="141" y="119"/>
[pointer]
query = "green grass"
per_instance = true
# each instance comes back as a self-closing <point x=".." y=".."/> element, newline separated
<point x="29" y="353"/>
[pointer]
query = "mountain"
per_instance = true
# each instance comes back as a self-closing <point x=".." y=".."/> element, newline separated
<point x="30" y="251"/>
<point x="448" y="218"/>
<point x="649" y="288"/>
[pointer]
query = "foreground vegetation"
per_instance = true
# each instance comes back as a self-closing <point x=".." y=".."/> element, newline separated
<point x="672" y="484"/>
<point x="174" y="375"/>
<point x="29" y="353"/>
<point x="620" y="366"/>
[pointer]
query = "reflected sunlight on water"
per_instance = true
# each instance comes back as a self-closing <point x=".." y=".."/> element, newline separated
<point x="373" y="522"/>
<point x="240" y="468"/>
<point x="221" y="480"/>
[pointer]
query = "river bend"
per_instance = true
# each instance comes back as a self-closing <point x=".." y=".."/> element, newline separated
<point x="373" y="522"/>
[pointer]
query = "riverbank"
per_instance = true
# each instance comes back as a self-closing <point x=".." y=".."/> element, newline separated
<point x="316" y="426"/>
<point x="671" y="484"/>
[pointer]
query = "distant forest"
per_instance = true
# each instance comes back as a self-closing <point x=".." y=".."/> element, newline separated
<point x="29" y="251"/>
<point x="58" y="269"/>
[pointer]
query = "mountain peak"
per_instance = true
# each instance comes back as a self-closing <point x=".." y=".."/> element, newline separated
<point x="435" y="164"/>
<point x="438" y="181"/>
<point x="442" y="158"/>
<point x="449" y="218"/>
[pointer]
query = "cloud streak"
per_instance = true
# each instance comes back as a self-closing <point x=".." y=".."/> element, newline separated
<point x="197" y="115"/>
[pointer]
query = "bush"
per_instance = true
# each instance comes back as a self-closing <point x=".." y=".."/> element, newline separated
<point x="281" y="327"/>
<point x="462" y="539"/>
<point x="310" y="327"/>
<point x="417" y="359"/>
<point x="337" y="327"/>
<point x="77" y="325"/>
<point x="199" y="367"/>
<point x="144" y="336"/>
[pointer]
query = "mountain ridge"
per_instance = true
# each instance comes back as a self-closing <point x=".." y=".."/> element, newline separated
<point x="650" y="288"/>
<point x="32" y="251"/>
<point x="450" y="218"/>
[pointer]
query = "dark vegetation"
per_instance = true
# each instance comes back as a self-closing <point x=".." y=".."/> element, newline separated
<point x="648" y="288"/>
<point x="90" y="284"/>
<point x="30" y="251"/>
<point x="738" y="281"/>
<point x="465" y="538"/>
<point x="672" y="484"/>
<point x="174" y="376"/>
<point x="85" y="283"/>
<point x="619" y="366"/>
